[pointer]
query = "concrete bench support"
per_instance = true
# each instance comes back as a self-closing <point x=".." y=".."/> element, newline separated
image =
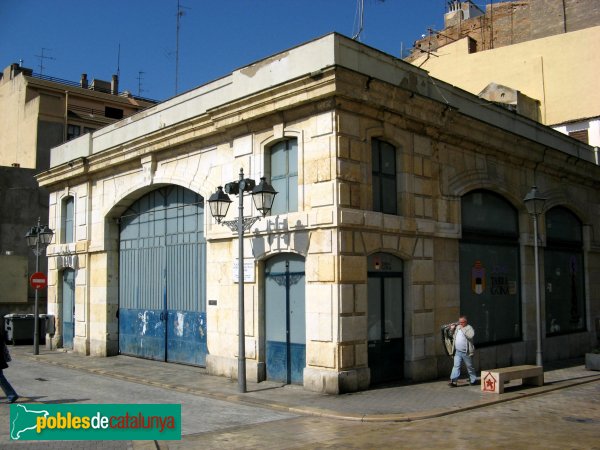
<point x="493" y="380"/>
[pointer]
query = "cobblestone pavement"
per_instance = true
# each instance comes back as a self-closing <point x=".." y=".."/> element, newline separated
<point x="562" y="419"/>
<point x="52" y="384"/>
<point x="422" y="414"/>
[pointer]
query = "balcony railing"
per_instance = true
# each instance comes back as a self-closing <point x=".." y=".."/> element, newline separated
<point x="90" y="87"/>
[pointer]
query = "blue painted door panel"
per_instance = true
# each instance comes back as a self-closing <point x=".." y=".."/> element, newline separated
<point x="187" y="337"/>
<point x="68" y="304"/>
<point x="297" y="362"/>
<point x="142" y="333"/>
<point x="277" y="356"/>
<point x="285" y="319"/>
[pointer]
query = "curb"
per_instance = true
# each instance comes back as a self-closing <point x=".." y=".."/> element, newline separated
<point x="326" y="413"/>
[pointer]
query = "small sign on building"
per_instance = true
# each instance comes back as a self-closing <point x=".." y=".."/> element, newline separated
<point x="248" y="270"/>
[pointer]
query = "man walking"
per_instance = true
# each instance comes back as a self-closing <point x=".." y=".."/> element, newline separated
<point x="10" y="393"/>
<point x="463" y="350"/>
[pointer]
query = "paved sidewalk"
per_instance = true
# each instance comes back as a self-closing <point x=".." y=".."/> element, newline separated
<point x="403" y="402"/>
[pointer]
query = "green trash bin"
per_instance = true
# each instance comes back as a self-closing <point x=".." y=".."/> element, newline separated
<point x="19" y="328"/>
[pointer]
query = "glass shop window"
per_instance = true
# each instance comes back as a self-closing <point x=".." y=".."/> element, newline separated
<point x="564" y="273"/>
<point x="489" y="267"/>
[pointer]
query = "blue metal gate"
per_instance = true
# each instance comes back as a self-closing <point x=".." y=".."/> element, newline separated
<point x="68" y="307"/>
<point x="162" y="277"/>
<point x="285" y="319"/>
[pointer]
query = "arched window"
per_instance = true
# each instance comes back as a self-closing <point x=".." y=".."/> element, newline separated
<point x="67" y="220"/>
<point x="489" y="267"/>
<point x="383" y="163"/>
<point x="284" y="176"/>
<point x="564" y="274"/>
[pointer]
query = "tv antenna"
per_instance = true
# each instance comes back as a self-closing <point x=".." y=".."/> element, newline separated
<point x="119" y="61"/>
<point x="42" y="58"/>
<point x="140" y="77"/>
<point x="360" y="12"/>
<point x="180" y="13"/>
<point x="360" y="17"/>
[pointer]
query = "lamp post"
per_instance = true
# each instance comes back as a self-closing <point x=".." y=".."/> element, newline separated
<point x="38" y="238"/>
<point x="263" y="196"/>
<point x="535" y="204"/>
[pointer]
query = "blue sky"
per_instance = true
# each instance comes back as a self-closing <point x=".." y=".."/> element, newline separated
<point x="216" y="36"/>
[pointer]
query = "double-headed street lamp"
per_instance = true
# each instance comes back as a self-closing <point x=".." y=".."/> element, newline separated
<point x="263" y="196"/>
<point x="38" y="238"/>
<point x="535" y="205"/>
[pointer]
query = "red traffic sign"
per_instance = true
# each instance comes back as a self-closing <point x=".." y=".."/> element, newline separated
<point x="38" y="280"/>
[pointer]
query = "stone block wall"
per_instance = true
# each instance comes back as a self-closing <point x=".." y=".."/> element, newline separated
<point x="509" y="23"/>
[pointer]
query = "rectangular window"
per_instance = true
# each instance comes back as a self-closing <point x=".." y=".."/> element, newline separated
<point x="284" y="176"/>
<point x="385" y="195"/>
<point x="68" y="211"/>
<point x="489" y="291"/>
<point x="73" y="131"/>
<point x="565" y="302"/>
<point x="581" y="135"/>
<point x="113" y="113"/>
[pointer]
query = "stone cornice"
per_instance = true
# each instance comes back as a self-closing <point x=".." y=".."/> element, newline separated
<point x="446" y="124"/>
<point x="215" y="121"/>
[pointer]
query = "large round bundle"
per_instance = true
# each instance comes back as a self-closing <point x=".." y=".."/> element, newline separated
<point x="447" y="338"/>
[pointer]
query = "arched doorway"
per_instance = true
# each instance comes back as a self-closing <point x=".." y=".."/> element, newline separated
<point x="68" y="307"/>
<point x="162" y="277"/>
<point x="385" y="318"/>
<point x="285" y="318"/>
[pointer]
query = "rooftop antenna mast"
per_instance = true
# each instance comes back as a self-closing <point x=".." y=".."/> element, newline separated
<point x="42" y="58"/>
<point x="140" y="77"/>
<point x="119" y="61"/>
<point x="360" y="16"/>
<point x="180" y="13"/>
<point x="360" y="12"/>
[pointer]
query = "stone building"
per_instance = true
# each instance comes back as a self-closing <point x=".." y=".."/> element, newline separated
<point x="40" y="112"/>
<point x="399" y="206"/>
<point x="540" y="50"/>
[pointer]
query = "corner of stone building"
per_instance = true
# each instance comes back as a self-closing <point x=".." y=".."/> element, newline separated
<point x="333" y="382"/>
<point x="53" y="341"/>
<point x="101" y="347"/>
<point x="228" y="367"/>
<point x="81" y="345"/>
<point x="422" y="370"/>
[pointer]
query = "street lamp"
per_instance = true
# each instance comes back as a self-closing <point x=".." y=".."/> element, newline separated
<point x="535" y="204"/>
<point x="263" y="196"/>
<point x="38" y="238"/>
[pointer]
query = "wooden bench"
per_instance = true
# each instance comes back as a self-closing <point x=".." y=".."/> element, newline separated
<point x="493" y="380"/>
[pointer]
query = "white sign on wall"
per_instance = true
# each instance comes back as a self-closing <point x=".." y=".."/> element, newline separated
<point x="248" y="270"/>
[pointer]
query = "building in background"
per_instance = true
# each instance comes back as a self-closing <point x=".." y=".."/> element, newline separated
<point x="40" y="112"/>
<point x="518" y="53"/>
<point x="399" y="207"/>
